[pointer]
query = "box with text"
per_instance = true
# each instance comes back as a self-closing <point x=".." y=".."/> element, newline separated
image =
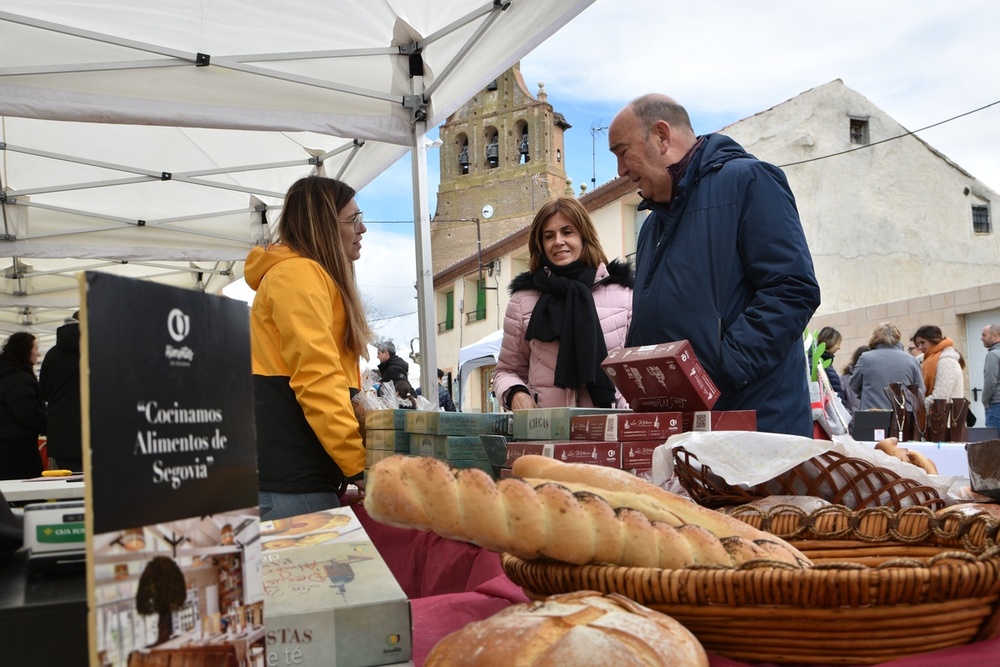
<point x="335" y="603"/>
<point x="550" y="423"/>
<point x="662" y="377"/>
<point x="625" y="426"/>
<point x="721" y="420"/>
<point x="457" y="423"/>
<point x="574" y="451"/>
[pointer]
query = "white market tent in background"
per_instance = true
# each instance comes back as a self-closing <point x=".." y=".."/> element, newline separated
<point x="156" y="140"/>
<point x="484" y="352"/>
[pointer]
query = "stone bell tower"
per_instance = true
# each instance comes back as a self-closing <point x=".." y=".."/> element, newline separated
<point x="502" y="157"/>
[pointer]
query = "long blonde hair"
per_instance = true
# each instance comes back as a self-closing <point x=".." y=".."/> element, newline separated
<point x="309" y="225"/>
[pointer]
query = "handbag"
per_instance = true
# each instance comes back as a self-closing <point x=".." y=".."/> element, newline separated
<point x="970" y="419"/>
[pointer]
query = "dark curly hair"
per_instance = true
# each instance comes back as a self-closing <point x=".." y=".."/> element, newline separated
<point x="17" y="351"/>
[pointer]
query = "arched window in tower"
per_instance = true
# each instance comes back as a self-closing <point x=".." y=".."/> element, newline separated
<point x="493" y="150"/>
<point x="524" y="149"/>
<point x="463" y="158"/>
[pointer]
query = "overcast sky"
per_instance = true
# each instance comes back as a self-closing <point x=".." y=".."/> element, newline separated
<point x="922" y="62"/>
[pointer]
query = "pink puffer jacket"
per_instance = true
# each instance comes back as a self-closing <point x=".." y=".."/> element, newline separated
<point x="533" y="363"/>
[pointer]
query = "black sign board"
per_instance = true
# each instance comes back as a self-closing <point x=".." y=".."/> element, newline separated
<point x="168" y="396"/>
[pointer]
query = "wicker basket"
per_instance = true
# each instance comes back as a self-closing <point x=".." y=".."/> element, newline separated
<point x="886" y="585"/>
<point x="840" y="479"/>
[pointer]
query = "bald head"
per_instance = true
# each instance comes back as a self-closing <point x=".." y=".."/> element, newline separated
<point x="653" y="107"/>
<point x="648" y="135"/>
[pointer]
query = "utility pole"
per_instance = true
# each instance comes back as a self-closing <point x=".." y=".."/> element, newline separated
<point x="594" y="131"/>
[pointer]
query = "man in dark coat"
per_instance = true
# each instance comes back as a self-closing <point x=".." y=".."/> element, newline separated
<point x="721" y="261"/>
<point x="391" y="367"/>
<point x="444" y="396"/>
<point x="59" y="380"/>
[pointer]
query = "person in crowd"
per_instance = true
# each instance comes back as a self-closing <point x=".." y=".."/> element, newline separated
<point x="832" y="339"/>
<point x="721" y="261"/>
<point x="942" y="365"/>
<point x="445" y="401"/>
<point x="444" y="396"/>
<point x="59" y="380"/>
<point x="307" y="334"/>
<point x="886" y="362"/>
<point x="991" y="374"/>
<point x="914" y="350"/>
<point x="406" y="395"/>
<point x="563" y="316"/>
<point x="22" y="410"/>
<point x="391" y="368"/>
<point x="853" y="401"/>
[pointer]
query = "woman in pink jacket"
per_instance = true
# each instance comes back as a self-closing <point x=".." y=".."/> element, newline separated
<point x="563" y="316"/>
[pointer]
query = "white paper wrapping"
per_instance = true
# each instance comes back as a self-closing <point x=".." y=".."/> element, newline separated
<point x="748" y="458"/>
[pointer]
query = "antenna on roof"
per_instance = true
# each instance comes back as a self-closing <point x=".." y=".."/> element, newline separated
<point x="594" y="131"/>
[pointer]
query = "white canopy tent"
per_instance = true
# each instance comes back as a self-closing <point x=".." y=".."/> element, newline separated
<point x="156" y="141"/>
<point x="484" y="352"/>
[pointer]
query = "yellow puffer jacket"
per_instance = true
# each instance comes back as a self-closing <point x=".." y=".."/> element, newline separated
<point x="307" y="433"/>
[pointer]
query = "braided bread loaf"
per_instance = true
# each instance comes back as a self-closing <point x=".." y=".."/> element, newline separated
<point x="548" y="519"/>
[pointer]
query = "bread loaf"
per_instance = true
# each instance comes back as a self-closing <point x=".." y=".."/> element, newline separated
<point x="622" y="489"/>
<point x="583" y="629"/>
<point x="891" y="447"/>
<point x="547" y="520"/>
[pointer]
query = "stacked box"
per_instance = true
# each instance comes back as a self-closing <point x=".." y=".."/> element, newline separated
<point x="388" y="440"/>
<point x="335" y="602"/>
<point x="457" y="423"/>
<point x="639" y="454"/>
<point x="601" y="453"/>
<point x="468" y="463"/>
<point x="393" y="420"/>
<point x="448" y="447"/>
<point x="661" y="377"/>
<point x="721" y="420"/>
<point x="627" y="426"/>
<point x="550" y="423"/>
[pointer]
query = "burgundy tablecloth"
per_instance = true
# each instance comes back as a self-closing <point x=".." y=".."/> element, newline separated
<point x="451" y="584"/>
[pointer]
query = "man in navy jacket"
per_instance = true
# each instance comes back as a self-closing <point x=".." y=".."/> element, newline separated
<point x="721" y="261"/>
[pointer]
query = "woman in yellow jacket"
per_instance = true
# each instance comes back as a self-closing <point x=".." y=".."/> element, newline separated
<point x="307" y="334"/>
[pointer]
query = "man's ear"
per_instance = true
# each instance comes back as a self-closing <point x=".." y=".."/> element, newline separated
<point x="662" y="132"/>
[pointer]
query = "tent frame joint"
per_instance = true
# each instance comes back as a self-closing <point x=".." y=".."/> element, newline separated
<point x="202" y="60"/>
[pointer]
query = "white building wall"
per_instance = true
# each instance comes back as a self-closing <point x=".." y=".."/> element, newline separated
<point x="886" y="222"/>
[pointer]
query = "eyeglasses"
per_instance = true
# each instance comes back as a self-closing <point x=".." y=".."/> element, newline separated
<point x="357" y="219"/>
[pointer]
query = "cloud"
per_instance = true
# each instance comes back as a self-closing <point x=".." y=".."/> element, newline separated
<point x="921" y="62"/>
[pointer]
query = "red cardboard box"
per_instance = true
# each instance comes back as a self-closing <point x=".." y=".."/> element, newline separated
<point x="607" y="454"/>
<point x="639" y="454"/>
<point x="661" y="377"/>
<point x="625" y="426"/>
<point x="721" y="420"/>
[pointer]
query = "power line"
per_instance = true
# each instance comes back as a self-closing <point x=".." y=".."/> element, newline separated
<point x="391" y="317"/>
<point x="905" y="134"/>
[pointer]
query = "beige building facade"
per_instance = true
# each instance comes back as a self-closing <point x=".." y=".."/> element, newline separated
<point x="898" y="232"/>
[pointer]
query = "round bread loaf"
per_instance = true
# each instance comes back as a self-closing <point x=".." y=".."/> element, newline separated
<point x="582" y="629"/>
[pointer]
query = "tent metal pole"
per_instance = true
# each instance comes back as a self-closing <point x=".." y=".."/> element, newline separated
<point x="422" y="232"/>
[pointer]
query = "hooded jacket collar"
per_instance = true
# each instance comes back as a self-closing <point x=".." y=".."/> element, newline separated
<point x="715" y="152"/>
<point x="261" y="260"/>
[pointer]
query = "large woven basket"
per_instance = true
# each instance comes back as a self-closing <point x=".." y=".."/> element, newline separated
<point x="840" y="479"/>
<point x="885" y="585"/>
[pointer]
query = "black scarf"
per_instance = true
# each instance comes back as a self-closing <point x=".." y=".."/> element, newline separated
<point x="566" y="312"/>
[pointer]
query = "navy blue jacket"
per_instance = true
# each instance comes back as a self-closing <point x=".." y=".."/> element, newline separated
<point x="725" y="265"/>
